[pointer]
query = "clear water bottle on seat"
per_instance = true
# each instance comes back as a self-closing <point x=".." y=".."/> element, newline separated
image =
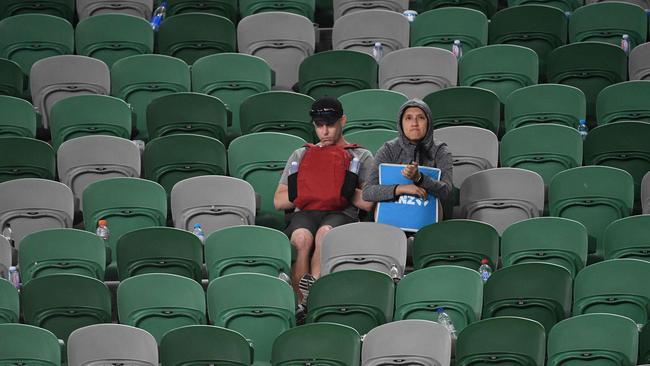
<point x="378" y="51"/>
<point x="445" y="320"/>
<point x="198" y="231"/>
<point x="583" y="129"/>
<point x="485" y="270"/>
<point x="102" y="229"/>
<point x="158" y="15"/>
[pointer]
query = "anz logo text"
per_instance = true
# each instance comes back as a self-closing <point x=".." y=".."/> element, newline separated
<point x="412" y="200"/>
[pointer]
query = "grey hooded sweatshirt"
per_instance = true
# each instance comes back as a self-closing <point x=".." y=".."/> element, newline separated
<point x="427" y="152"/>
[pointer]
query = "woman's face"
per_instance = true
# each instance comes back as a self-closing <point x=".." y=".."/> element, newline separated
<point x="414" y="123"/>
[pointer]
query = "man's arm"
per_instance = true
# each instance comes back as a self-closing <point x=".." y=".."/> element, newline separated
<point x="281" y="198"/>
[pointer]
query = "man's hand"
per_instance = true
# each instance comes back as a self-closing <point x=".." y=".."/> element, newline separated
<point x="411" y="189"/>
<point x="411" y="172"/>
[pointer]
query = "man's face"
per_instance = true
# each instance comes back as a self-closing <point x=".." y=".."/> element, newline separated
<point x="329" y="134"/>
<point x="414" y="123"/>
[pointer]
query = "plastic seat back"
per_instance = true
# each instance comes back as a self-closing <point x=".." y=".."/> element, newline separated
<point x="371" y="109"/>
<point x="224" y="8"/>
<point x="277" y="111"/>
<point x="487" y="7"/>
<point x="59" y="8"/>
<point x="359" y="31"/>
<point x="112" y="343"/>
<point x="371" y="139"/>
<point x="9" y="303"/>
<point x="344" y="7"/>
<point x="608" y="22"/>
<point x="320" y="342"/>
<point x="204" y="343"/>
<point x="11" y="78"/>
<point x="305" y="8"/>
<point x="623" y="102"/>
<point x="465" y="106"/>
<point x="628" y="238"/>
<point x="441" y="27"/>
<point x="545" y="103"/>
<point x="24" y="157"/>
<point x="138" y="8"/>
<point x="639" y="67"/>
<point x="29" y="344"/>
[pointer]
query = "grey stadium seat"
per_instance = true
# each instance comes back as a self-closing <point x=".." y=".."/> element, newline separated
<point x="282" y="39"/>
<point x="139" y="8"/>
<point x="5" y="257"/>
<point x="344" y="7"/>
<point x="112" y="344"/>
<point x="418" y="71"/>
<point x="639" y="64"/>
<point x="364" y="245"/>
<point x="58" y="77"/>
<point x="502" y="196"/>
<point x="30" y="205"/>
<point x="473" y="149"/>
<point x="359" y="31"/>
<point x="214" y="201"/>
<point x="84" y="160"/>
<point x="420" y="342"/>
<point x="645" y="193"/>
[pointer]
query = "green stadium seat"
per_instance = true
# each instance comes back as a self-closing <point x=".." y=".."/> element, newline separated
<point x="589" y="66"/>
<point x="252" y="249"/>
<point x="320" y="343"/>
<point x="62" y="303"/>
<point x="28" y="38"/>
<point x="305" y="8"/>
<point x="487" y="7"/>
<point x="500" y="68"/>
<point x="190" y="113"/>
<point x="359" y="298"/>
<point x="225" y="8"/>
<point x="540" y="28"/>
<point x="60" y="8"/>
<point x="159" y="250"/>
<point x="371" y="109"/>
<point x="595" y="196"/>
<point x="24" y="157"/>
<point x="18" y="117"/>
<point x="259" y="158"/>
<point x="462" y="243"/>
<point x="9" y="304"/>
<point x="160" y="302"/>
<point x="277" y="111"/>
<point x="545" y="149"/>
<point x="336" y="73"/>
<point x="548" y="240"/>
<point x="140" y="79"/>
<point x="628" y="237"/>
<point x="608" y="22"/>
<point x="22" y="343"/>
<point x="537" y="291"/>
<point x="624" y="101"/>
<point x="371" y="139"/>
<point x="622" y="145"/>
<point x="126" y="204"/>
<point x="170" y="159"/>
<point x="55" y="251"/>
<point x="194" y="35"/>
<point x="456" y="289"/>
<point x="597" y="339"/>
<point x="564" y="5"/>
<point x="11" y="78"/>
<point x="258" y="306"/>
<point x="441" y="27"/>
<point x="545" y="103"/>
<point x="129" y="36"/>
<point x="644" y="346"/>
<point x="613" y="287"/>
<point x="231" y="77"/>
<point x="90" y="114"/>
<point x="204" y="343"/>
<point x="464" y="106"/>
<point x="645" y="193"/>
<point x="504" y="340"/>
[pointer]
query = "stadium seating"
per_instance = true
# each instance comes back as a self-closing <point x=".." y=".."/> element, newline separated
<point x="24" y="157"/>
<point x="9" y="308"/>
<point x="487" y="7"/>
<point x="546" y="239"/>
<point x="456" y="289"/>
<point x="54" y="251"/>
<point x="28" y="344"/>
<point x="608" y="22"/>
<point x="315" y="343"/>
<point x="241" y="249"/>
<point x="359" y="31"/>
<point x="627" y="238"/>
<point x="639" y="66"/>
<point x="564" y="5"/>
<point x="645" y="193"/>
<point x="11" y="78"/>
<point x="111" y="343"/>
<point x="204" y="343"/>
<point x="344" y="7"/>
<point x="441" y="27"/>
<point x="623" y="102"/>
<point x="138" y="8"/>
<point x="277" y="111"/>
<point x="371" y="139"/>
<point x="305" y="8"/>
<point x="371" y="109"/>
<point x="18" y="118"/>
<point x="225" y="8"/>
<point x="6" y="257"/>
<point x="479" y="108"/>
<point x="545" y="103"/>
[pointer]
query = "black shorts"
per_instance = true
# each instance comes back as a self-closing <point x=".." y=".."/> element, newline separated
<point x="313" y="220"/>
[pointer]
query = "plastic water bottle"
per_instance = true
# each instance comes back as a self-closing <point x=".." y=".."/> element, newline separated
<point x="445" y="320"/>
<point x="102" y="229"/>
<point x="583" y="129"/>
<point x="410" y="15"/>
<point x="378" y="51"/>
<point x="354" y="166"/>
<point x="14" y="277"/>
<point x="158" y="15"/>
<point x="625" y="43"/>
<point x="394" y="273"/>
<point x="284" y="277"/>
<point x="293" y="167"/>
<point x="457" y="48"/>
<point x="485" y="270"/>
<point x="568" y="14"/>
<point x="198" y="231"/>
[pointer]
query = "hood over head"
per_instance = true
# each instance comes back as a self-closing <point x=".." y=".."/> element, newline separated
<point x="424" y="146"/>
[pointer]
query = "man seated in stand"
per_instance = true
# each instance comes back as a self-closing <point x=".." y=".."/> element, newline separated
<point x="322" y="186"/>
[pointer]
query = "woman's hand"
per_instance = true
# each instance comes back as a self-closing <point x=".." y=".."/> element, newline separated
<point x="411" y="189"/>
<point x="411" y="172"/>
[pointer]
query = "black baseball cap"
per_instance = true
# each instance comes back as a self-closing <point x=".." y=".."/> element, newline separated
<point x="326" y="110"/>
